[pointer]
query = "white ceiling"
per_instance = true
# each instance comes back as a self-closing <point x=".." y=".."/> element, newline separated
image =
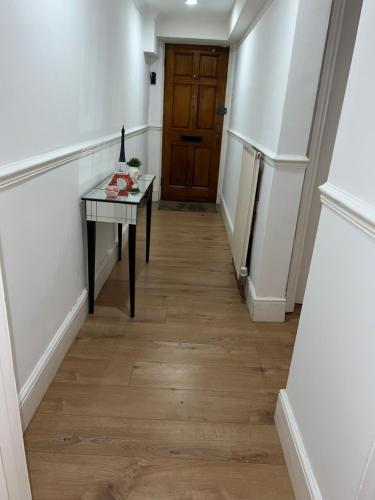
<point x="215" y="8"/>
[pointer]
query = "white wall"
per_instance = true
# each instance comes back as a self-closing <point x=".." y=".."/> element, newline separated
<point x="71" y="72"/>
<point x="155" y="119"/>
<point x="231" y="178"/>
<point x="207" y="24"/>
<point x="67" y="71"/>
<point x="344" y="56"/>
<point x="331" y="382"/>
<point x="235" y="13"/>
<point x="274" y="92"/>
<point x="304" y="74"/>
<point x="156" y="98"/>
<point x="225" y="142"/>
<point x="150" y="41"/>
<point x="261" y="75"/>
<point x="257" y="101"/>
<point x="242" y="15"/>
<point x="188" y="28"/>
<point x="273" y="102"/>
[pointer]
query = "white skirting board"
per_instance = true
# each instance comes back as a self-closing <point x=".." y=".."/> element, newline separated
<point x="301" y="474"/>
<point x="270" y="309"/>
<point x="37" y="384"/>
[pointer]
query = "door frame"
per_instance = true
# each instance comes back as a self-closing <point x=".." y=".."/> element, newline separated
<point x="14" y="480"/>
<point x="227" y="100"/>
<point x="316" y="140"/>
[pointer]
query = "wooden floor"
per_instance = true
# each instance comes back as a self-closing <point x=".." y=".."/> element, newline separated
<point x="176" y="404"/>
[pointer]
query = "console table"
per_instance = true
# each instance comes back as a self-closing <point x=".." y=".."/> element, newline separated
<point x="120" y="210"/>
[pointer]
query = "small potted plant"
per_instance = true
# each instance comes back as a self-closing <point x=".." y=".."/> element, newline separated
<point x="134" y="165"/>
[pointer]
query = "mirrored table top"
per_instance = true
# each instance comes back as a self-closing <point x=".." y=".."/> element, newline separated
<point x="98" y="192"/>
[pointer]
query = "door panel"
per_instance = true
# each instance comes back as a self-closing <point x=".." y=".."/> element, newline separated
<point x="202" y="167"/>
<point x="195" y="82"/>
<point x="179" y="163"/>
<point x="206" y="107"/>
<point x="181" y="106"/>
<point x="184" y="64"/>
<point x="208" y="66"/>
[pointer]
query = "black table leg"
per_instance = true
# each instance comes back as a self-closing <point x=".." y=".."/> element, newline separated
<point x="132" y="259"/>
<point x="148" y="227"/>
<point x="119" y="238"/>
<point x="91" y="237"/>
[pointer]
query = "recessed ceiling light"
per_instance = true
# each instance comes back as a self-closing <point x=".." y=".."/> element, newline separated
<point x="191" y="2"/>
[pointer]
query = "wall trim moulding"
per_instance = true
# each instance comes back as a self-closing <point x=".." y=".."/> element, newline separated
<point x="44" y="371"/>
<point x="301" y="474"/>
<point x="155" y="127"/>
<point x="269" y="309"/>
<point x="12" y="173"/>
<point x="273" y="159"/>
<point x="351" y="208"/>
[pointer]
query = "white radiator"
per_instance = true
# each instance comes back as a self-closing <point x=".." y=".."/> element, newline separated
<point x="245" y="208"/>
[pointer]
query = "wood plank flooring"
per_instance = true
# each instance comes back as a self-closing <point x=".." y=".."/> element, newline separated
<point x="177" y="404"/>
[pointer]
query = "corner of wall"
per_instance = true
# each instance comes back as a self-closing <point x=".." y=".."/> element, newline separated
<point x="269" y="309"/>
<point x="309" y="42"/>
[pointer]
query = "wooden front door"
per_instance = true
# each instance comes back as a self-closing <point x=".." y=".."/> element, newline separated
<point x="194" y="97"/>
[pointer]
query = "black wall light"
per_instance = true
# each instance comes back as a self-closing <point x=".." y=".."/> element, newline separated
<point x="153" y="78"/>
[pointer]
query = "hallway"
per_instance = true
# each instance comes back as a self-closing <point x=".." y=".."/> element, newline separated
<point x="176" y="404"/>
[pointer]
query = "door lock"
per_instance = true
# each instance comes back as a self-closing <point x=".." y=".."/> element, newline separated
<point x="221" y="111"/>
